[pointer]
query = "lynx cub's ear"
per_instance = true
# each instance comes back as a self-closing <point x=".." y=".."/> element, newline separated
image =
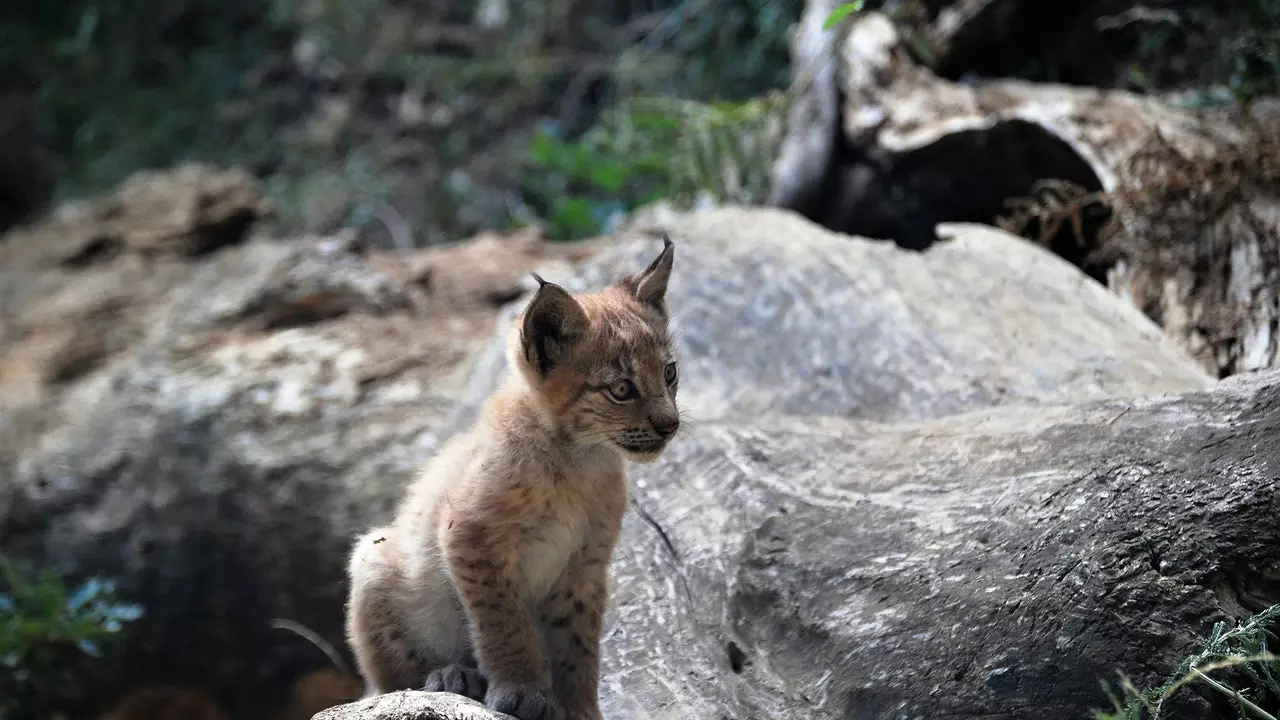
<point x="553" y="322"/>
<point x="650" y="285"/>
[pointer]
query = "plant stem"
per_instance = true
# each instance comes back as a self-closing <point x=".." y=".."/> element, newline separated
<point x="1235" y="695"/>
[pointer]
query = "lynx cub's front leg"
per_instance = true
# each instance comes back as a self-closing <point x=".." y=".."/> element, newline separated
<point x="480" y="534"/>
<point x="491" y="580"/>
<point x="572" y="619"/>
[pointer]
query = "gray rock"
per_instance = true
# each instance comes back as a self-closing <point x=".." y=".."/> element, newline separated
<point x="776" y="315"/>
<point x="212" y="431"/>
<point x="996" y="564"/>
<point x="412" y="705"/>
<point x="219" y="467"/>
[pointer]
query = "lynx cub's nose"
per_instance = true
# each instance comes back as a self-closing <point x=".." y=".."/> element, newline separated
<point x="666" y="426"/>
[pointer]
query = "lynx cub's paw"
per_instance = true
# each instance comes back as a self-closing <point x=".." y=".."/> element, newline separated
<point x="526" y="702"/>
<point x="459" y="680"/>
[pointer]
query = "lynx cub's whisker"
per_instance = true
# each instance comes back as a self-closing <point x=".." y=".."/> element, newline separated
<point x="491" y="579"/>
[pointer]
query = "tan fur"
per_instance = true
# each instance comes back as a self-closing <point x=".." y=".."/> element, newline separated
<point x="491" y="579"/>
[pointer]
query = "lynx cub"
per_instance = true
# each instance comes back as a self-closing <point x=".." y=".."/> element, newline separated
<point x="490" y="582"/>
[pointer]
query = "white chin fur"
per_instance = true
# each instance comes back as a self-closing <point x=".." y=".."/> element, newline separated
<point x="643" y="458"/>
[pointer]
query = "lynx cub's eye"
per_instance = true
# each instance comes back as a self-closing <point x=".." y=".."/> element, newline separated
<point x="622" y="391"/>
<point x="671" y="373"/>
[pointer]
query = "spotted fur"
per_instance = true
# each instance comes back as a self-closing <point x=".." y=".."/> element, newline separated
<point x="491" y="581"/>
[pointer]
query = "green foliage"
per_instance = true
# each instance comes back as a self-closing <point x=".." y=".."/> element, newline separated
<point x="650" y="148"/>
<point x="1255" y="691"/>
<point x="1252" y="52"/>
<point x="840" y="13"/>
<point x="42" y="630"/>
<point x="128" y="84"/>
<point x="578" y="185"/>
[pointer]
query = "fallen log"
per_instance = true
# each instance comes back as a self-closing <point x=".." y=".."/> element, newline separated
<point x="1171" y="205"/>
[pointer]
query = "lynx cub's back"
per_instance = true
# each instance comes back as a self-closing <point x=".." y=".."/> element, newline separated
<point x="490" y="581"/>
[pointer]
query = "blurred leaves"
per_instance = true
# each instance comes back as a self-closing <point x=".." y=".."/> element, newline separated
<point x="128" y="84"/>
<point x="840" y="13"/>
<point x="648" y="148"/>
<point x="43" y="627"/>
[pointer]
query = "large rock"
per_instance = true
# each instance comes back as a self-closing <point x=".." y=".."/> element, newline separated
<point x="994" y="564"/>
<point x="248" y="411"/>
<point x="776" y="315"/>
<point x="211" y="430"/>
<point x="413" y="705"/>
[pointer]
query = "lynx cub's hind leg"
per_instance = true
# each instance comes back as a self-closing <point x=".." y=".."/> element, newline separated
<point x="386" y="629"/>
<point x="374" y="623"/>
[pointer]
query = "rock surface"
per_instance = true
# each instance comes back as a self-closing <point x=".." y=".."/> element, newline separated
<point x="993" y="564"/>
<point x="210" y="430"/>
<point x="776" y="315"/>
<point x="412" y="705"/>
<point x="243" y="413"/>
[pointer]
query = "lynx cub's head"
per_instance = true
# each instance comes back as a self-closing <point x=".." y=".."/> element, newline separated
<point x="602" y="364"/>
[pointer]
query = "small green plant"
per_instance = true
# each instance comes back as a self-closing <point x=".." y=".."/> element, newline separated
<point x="43" y="628"/>
<point x="1254" y="690"/>
<point x="841" y="12"/>
<point x="577" y="185"/>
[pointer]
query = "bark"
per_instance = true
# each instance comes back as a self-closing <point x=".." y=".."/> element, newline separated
<point x="1174" y="207"/>
<point x="802" y="170"/>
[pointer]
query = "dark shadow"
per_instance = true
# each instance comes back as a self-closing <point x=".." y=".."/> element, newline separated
<point x="965" y="176"/>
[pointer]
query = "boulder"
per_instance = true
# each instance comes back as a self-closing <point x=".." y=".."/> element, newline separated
<point x="998" y="563"/>
<point x="775" y="315"/>
<point x="412" y="705"/>
<point x="188" y="210"/>
<point x="211" y="430"/>
<point x="900" y="420"/>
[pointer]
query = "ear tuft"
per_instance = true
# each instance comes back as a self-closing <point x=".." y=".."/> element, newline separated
<point x="649" y="286"/>
<point x="553" y="323"/>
